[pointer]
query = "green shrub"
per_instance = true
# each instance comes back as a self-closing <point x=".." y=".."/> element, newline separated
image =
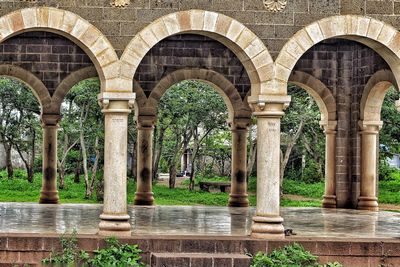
<point x="311" y="174"/>
<point x="114" y="254"/>
<point x="293" y="255"/>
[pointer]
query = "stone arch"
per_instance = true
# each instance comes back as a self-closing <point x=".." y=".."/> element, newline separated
<point x="318" y="90"/>
<point x="38" y="88"/>
<point x="374" y="95"/>
<point x="66" y="85"/>
<point x="236" y="107"/>
<point x="379" y="36"/>
<point x="72" y="27"/>
<point x="249" y="49"/>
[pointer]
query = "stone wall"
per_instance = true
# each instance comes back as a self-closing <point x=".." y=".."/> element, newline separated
<point x="19" y="249"/>
<point x="191" y="51"/>
<point x="345" y="68"/>
<point x="50" y="57"/>
<point x="120" y="25"/>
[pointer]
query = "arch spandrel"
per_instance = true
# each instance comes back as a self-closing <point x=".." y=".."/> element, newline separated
<point x="241" y="41"/>
<point x="379" y="36"/>
<point x="70" y="26"/>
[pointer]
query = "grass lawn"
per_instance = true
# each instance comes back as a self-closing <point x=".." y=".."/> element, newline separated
<point x="19" y="189"/>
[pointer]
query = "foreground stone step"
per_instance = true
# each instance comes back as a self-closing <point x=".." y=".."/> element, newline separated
<point x="199" y="260"/>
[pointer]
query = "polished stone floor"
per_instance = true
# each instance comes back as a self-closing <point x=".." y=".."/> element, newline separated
<point x="198" y="220"/>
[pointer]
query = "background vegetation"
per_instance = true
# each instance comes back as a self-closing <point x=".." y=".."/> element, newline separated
<point x="191" y="117"/>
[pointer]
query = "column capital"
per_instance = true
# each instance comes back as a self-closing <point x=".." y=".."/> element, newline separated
<point x="146" y="121"/>
<point x="370" y="127"/>
<point x="50" y="119"/>
<point x="239" y="123"/>
<point x="269" y="105"/>
<point x="329" y="127"/>
<point x="116" y="102"/>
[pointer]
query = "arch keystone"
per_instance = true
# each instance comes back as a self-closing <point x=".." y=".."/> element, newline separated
<point x="55" y="18"/>
<point x="29" y="16"/>
<point x="196" y="19"/>
<point x="210" y="21"/>
<point x="43" y="17"/>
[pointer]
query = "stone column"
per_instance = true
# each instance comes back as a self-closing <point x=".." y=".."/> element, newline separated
<point x="238" y="196"/>
<point x="267" y="222"/>
<point x="115" y="218"/>
<point x="49" y="193"/>
<point x="330" y="165"/>
<point x="145" y="128"/>
<point x="369" y="131"/>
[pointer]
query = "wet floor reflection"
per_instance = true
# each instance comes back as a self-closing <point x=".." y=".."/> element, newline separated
<point x="197" y="220"/>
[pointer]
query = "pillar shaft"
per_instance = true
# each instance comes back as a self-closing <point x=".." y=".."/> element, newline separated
<point x="144" y="194"/>
<point x="238" y="196"/>
<point x="369" y="133"/>
<point x="115" y="218"/>
<point x="49" y="193"/>
<point x="329" y="200"/>
<point x="267" y="222"/>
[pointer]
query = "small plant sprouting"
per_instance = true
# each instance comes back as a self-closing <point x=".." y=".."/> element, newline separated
<point x="293" y="255"/>
<point x="114" y="254"/>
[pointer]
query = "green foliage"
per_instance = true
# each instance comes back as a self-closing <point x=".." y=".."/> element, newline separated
<point x="192" y="115"/>
<point x="311" y="173"/>
<point x="114" y="254"/>
<point x="310" y="145"/>
<point x="314" y="190"/>
<point x="69" y="255"/>
<point x="293" y="255"/>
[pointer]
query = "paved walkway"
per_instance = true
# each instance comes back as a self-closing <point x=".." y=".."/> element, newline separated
<point x="197" y="220"/>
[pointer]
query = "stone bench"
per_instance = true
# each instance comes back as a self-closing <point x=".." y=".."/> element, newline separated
<point x="224" y="187"/>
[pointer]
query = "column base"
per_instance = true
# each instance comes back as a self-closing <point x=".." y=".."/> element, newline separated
<point x="49" y="197"/>
<point x="368" y="203"/>
<point x="114" y="225"/>
<point x="267" y="227"/>
<point x="238" y="200"/>
<point x="329" y="202"/>
<point x="144" y="199"/>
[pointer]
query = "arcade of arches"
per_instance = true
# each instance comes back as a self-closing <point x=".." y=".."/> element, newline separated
<point x="347" y="63"/>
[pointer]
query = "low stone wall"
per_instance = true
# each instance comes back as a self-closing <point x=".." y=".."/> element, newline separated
<point x="31" y="248"/>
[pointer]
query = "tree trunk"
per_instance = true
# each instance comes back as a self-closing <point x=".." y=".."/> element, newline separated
<point x="61" y="164"/>
<point x="94" y="168"/>
<point x="84" y="152"/>
<point x="288" y="151"/>
<point x="157" y="152"/>
<point x="134" y="160"/>
<point x="172" y="175"/>
<point x="77" y="172"/>
<point x="10" y="169"/>
<point x="31" y="169"/>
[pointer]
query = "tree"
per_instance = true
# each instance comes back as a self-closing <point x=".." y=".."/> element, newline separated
<point x="188" y="113"/>
<point x="89" y="128"/>
<point x="301" y="134"/>
<point x="19" y="123"/>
